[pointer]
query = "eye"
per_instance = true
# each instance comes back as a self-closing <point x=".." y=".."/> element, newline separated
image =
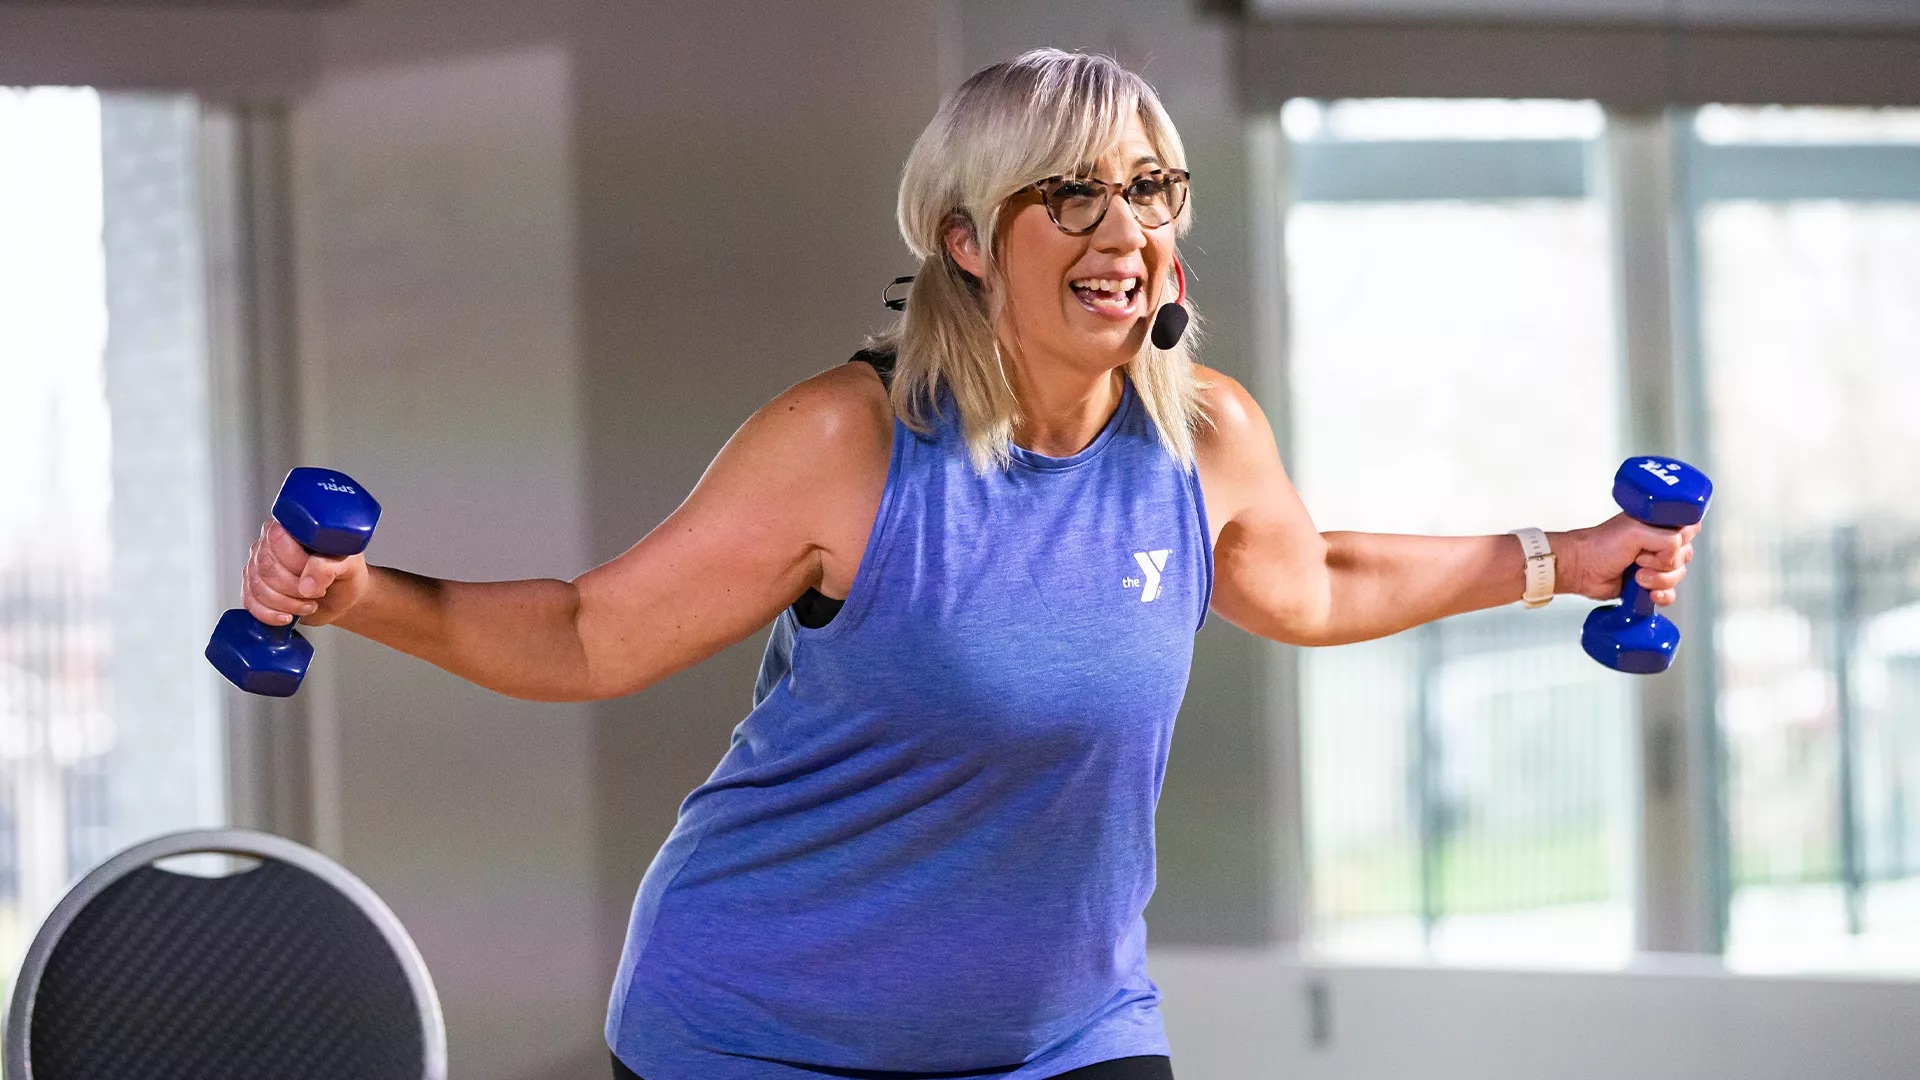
<point x="1075" y="189"/>
<point x="1148" y="188"/>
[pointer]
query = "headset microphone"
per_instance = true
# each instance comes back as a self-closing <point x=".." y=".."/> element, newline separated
<point x="1171" y="320"/>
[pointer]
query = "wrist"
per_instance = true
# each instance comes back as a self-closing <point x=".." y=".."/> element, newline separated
<point x="357" y="600"/>
<point x="1566" y="556"/>
<point x="1539" y="580"/>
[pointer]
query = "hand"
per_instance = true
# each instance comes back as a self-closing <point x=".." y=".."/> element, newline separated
<point x="1591" y="562"/>
<point x="282" y="580"/>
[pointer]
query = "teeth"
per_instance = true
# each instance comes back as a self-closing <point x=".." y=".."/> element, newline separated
<point x="1107" y="284"/>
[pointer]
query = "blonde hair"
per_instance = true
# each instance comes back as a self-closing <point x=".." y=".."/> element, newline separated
<point x="1043" y="113"/>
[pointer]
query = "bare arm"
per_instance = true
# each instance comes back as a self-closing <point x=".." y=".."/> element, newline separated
<point x="1278" y="576"/>
<point x="785" y="506"/>
<point x="517" y="638"/>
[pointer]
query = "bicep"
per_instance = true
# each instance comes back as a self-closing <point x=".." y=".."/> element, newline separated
<point x="1270" y="561"/>
<point x="746" y="542"/>
<point x="705" y="578"/>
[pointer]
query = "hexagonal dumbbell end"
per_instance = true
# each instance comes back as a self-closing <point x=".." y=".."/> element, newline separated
<point x="328" y="514"/>
<point x="1661" y="491"/>
<point x="258" y="658"/>
<point x="1638" y="644"/>
<point x="1631" y="636"/>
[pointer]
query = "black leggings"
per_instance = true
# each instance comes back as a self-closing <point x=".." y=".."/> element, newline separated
<point x="1127" y="1068"/>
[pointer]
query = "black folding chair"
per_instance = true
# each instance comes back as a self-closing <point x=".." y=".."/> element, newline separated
<point x="291" y="969"/>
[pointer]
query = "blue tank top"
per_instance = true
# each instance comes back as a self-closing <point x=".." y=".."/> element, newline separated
<point x="929" y="846"/>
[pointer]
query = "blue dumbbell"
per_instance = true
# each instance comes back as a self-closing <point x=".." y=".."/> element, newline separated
<point x="1630" y="636"/>
<point x="328" y="514"/>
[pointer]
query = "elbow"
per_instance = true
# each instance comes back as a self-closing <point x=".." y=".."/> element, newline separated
<point x="554" y="695"/>
<point x="1306" y="633"/>
<point x="582" y="680"/>
<point x="1293" y="619"/>
<point x="1307" y="616"/>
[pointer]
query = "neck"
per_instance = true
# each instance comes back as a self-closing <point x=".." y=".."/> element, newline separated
<point x="1062" y="407"/>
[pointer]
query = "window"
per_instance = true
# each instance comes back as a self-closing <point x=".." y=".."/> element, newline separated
<point x="1809" y="263"/>
<point x="1454" y="369"/>
<point x="1470" y="788"/>
<point x="110" y="722"/>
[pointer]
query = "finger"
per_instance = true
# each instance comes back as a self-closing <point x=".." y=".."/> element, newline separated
<point x="284" y="548"/>
<point x="265" y="614"/>
<point x="1663" y="597"/>
<point x="273" y="596"/>
<point x="1690" y="532"/>
<point x="319" y="574"/>
<point x="1664" y="553"/>
<point x="1659" y="560"/>
<point x="273" y="573"/>
<point x="270" y="605"/>
<point x="1659" y="581"/>
<point x="1662" y="561"/>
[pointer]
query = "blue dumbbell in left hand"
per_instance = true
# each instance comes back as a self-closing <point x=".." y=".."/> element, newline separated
<point x="1631" y="636"/>
<point x="328" y="514"/>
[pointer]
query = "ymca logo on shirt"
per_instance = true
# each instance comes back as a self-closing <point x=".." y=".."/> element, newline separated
<point x="1152" y="564"/>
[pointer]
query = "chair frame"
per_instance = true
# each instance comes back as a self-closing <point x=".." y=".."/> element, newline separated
<point x="15" y="1047"/>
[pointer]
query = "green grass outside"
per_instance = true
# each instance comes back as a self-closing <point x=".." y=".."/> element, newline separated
<point x="1477" y="875"/>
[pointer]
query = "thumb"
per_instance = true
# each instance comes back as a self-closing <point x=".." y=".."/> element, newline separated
<point x="319" y="574"/>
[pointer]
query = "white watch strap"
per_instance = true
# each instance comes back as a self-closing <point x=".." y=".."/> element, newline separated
<point x="1539" y="566"/>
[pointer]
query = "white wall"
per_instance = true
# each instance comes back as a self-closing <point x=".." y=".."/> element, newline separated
<point x="736" y="174"/>
<point x="1825" y="13"/>
<point x="200" y="47"/>
<point x="1244" y="1014"/>
<point x="440" y="367"/>
<point x="548" y="259"/>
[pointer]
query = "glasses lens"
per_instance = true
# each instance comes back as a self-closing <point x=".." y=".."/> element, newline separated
<point x="1077" y="204"/>
<point x="1157" y="198"/>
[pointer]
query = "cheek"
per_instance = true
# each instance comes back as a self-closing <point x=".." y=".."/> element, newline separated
<point x="1035" y="260"/>
<point x="1160" y="260"/>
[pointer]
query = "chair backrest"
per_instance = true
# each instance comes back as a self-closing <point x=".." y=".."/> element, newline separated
<point x="292" y="969"/>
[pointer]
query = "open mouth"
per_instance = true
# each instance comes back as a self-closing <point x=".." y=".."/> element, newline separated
<point x="1107" y="296"/>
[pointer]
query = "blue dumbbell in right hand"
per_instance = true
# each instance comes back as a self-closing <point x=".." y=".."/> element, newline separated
<point x="1631" y="636"/>
<point x="328" y="514"/>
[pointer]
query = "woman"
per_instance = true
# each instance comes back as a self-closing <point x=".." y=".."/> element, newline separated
<point x="927" y="851"/>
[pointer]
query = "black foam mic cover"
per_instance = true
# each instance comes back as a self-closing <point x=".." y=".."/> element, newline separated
<point x="1168" y="324"/>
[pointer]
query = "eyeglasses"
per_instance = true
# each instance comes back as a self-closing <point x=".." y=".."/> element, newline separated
<point x="1077" y="204"/>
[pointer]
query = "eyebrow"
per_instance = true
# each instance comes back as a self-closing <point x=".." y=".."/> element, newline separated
<point x="1087" y="168"/>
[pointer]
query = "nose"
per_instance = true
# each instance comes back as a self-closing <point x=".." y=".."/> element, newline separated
<point x="1119" y="231"/>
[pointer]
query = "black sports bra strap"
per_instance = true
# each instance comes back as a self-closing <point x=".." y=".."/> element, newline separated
<point x="882" y="363"/>
<point x="816" y="609"/>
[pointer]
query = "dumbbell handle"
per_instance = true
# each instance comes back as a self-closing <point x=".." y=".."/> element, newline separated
<point x="270" y="630"/>
<point x="1633" y="596"/>
<point x="280" y="633"/>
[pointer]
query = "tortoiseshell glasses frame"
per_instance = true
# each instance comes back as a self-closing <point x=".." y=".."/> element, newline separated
<point x="1078" y="204"/>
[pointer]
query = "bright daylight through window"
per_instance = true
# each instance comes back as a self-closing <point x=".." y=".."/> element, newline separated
<point x="1466" y="781"/>
<point x="1471" y="786"/>
<point x="110" y="725"/>
<point x="1810" y="326"/>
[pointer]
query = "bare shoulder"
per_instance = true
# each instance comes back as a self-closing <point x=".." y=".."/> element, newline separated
<point x="1237" y="434"/>
<point x="836" y="423"/>
<point x="1235" y="454"/>
<point x="822" y="449"/>
<point x="846" y="404"/>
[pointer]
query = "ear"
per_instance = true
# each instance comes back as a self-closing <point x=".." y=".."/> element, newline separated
<point x="963" y="245"/>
